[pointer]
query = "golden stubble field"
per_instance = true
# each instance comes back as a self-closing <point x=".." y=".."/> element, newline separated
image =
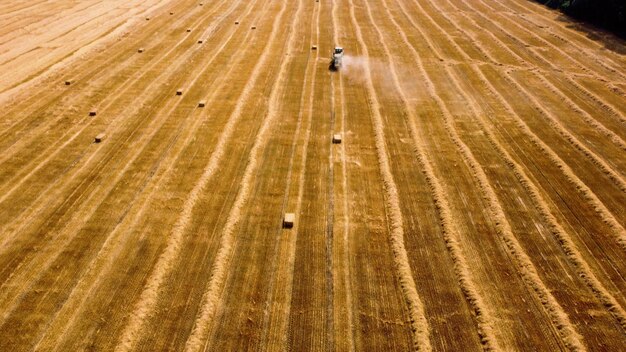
<point x="477" y="200"/>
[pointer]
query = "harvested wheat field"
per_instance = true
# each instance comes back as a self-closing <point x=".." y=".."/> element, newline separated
<point x="187" y="176"/>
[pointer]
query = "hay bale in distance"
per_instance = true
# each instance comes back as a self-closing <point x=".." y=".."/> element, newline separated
<point x="288" y="221"/>
<point x="68" y="82"/>
<point x="202" y="103"/>
<point x="314" y="47"/>
<point x="99" y="138"/>
<point x="253" y="27"/>
<point x="336" y="139"/>
<point x="236" y="22"/>
<point x="179" y="91"/>
<point x="188" y="30"/>
<point x="93" y="112"/>
<point x="140" y="50"/>
<point x="200" y="41"/>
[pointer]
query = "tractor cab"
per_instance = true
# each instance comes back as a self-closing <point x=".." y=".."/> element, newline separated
<point x="336" y="58"/>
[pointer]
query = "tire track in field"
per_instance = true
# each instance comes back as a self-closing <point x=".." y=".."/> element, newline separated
<point x="271" y="311"/>
<point x="419" y="324"/>
<point x="346" y="259"/>
<point x="77" y="222"/>
<point x="484" y="317"/>
<point x="211" y="297"/>
<point x="587" y="99"/>
<point x="611" y="109"/>
<point x="105" y="104"/>
<point x="103" y="257"/>
<point x="14" y="26"/>
<point x="536" y="57"/>
<point x="76" y="58"/>
<point x="589" y="54"/>
<point x="539" y="10"/>
<point x="119" y="249"/>
<point x="10" y="12"/>
<point x="259" y="264"/>
<point x="10" y="7"/>
<point x="529" y="273"/>
<point x="553" y="121"/>
<point x="171" y="252"/>
<point x="581" y="266"/>
<point x="346" y="228"/>
<point x="29" y="295"/>
<point x="36" y="104"/>
<point x="194" y="256"/>
<point x="589" y="119"/>
<point x="331" y="342"/>
<point x="52" y="53"/>
<point x="605" y="299"/>
<point x="41" y="35"/>
<point x="605" y="213"/>
<point x="571" y="177"/>
<point x="276" y="316"/>
<point x="608" y="107"/>
<point x="60" y="24"/>
<point x="45" y="107"/>
<point x="599" y="206"/>
<point x="39" y="22"/>
<point x="564" y="239"/>
<point x="612" y="97"/>
<point x="310" y="311"/>
<point x="381" y="316"/>
<point x="567" y="77"/>
<point x="588" y="106"/>
<point x="520" y="63"/>
<point x="43" y="205"/>
<point x="571" y="59"/>
<point x="557" y="314"/>
<point x="33" y="27"/>
<point x="604" y="167"/>
<point x="609" y="171"/>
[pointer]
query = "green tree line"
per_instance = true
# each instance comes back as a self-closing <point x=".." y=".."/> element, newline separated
<point x="609" y="14"/>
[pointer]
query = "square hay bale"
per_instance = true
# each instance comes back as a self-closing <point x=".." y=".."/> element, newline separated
<point x="171" y="13"/>
<point x="99" y="138"/>
<point x="314" y="47"/>
<point x="236" y="22"/>
<point x="202" y="103"/>
<point x="289" y="219"/>
<point x="179" y="91"/>
<point x="140" y="50"/>
<point x="93" y="112"/>
<point x="68" y="82"/>
<point x="253" y="27"/>
<point x="201" y="4"/>
<point x="336" y="139"/>
<point x="200" y="41"/>
<point x="147" y="18"/>
<point x="188" y="30"/>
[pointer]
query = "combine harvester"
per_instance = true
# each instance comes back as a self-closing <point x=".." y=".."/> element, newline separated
<point x="336" y="58"/>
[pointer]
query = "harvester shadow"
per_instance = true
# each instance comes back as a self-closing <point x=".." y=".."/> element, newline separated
<point x="332" y="67"/>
